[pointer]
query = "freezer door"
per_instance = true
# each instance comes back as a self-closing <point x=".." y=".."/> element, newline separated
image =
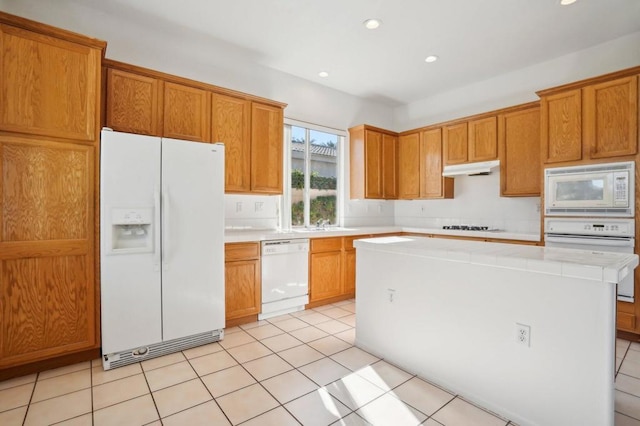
<point x="130" y="277"/>
<point x="193" y="238"/>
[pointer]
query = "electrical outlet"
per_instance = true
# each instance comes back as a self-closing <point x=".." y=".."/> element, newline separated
<point x="258" y="206"/>
<point x="238" y="206"/>
<point x="392" y="294"/>
<point x="523" y="334"/>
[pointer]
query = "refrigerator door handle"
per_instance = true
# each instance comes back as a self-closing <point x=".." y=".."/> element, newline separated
<point x="156" y="228"/>
<point x="165" y="228"/>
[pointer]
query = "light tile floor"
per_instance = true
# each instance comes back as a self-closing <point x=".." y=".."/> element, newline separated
<point x="295" y="369"/>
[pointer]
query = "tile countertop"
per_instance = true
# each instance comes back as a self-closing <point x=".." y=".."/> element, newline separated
<point x="582" y="264"/>
<point x="247" y="235"/>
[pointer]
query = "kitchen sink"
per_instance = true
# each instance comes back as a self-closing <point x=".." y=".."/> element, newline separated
<point x="327" y="229"/>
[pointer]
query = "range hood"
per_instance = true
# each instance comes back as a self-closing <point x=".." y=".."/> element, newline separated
<point x="470" y="169"/>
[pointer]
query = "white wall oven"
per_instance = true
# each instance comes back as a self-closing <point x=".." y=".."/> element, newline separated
<point x="605" y="190"/>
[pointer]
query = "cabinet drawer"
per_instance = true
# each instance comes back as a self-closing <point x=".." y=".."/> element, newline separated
<point x="326" y="244"/>
<point x="241" y="251"/>
<point x="626" y="321"/>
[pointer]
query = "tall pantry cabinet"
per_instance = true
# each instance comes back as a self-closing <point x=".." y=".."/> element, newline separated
<point x="49" y="143"/>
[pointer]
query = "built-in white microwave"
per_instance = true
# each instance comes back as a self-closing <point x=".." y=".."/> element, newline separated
<point x="591" y="190"/>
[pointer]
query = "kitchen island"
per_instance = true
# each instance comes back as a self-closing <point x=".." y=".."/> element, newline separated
<point x="452" y="312"/>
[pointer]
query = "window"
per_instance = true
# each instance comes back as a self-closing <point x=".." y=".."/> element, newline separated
<point x="313" y="195"/>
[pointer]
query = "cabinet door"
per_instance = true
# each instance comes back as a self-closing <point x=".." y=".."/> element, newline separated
<point x="349" y="272"/>
<point x="519" y="134"/>
<point x="231" y="125"/>
<point x="483" y="139"/>
<point x="455" y="144"/>
<point x="47" y="257"/>
<point x="49" y="86"/>
<point x="325" y="275"/>
<point x="242" y="288"/>
<point x="186" y="113"/>
<point x="611" y="118"/>
<point x="432" y="184"/>
<point x="266" y="148"/>
<point x="561" y="127"/>
<point x="389" y="166"/>
<point x="409" y="176"/>
<point x="133" y="103"/>
<point x="373" y="164"/>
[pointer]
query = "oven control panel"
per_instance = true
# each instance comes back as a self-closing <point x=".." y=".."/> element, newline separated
<point x="603" y="227"/>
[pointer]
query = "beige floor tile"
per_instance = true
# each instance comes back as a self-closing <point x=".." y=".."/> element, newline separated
<point x="324" y="371"/>
<point x="246" y="403"/>
<point x="119" y="390"/>
<point x="264" y="331"/>
<point x="329" y="345"/>
<point x="162" y="361"/>
<point x="15" y="397"/>
<point x="349" y="320"/>
<point x="180" y="397"/>
<point x="156" y="423"/>
<point x="84" y="420"/>
<point x="289" y="385"/>
<point x="206" y="414"/>
<point x="304" y="312"/>
<point x="249" y="352"/>
<point x="211" y="363"/>
<point x="96" y="362"/>
<point x="635" y="346"/>
<point x="227" y="381"/>
<point x="315" y="318"/>
<point x="137" y="411"/>
<point x="351" y="307"/>
<point x="100" y="376"/>
<point x="268" y="366"/>
<point x="317" y="408"/>
<point x="300" y="355"/>
<point x="333" y="326"/>
<point x="389" y="410"/>
<point x="254" y="324"/>
<point x="18" y="381"/>
<point x="343" y="302"/>
<point x="622" y="420"/>
<point x="351" y="420"/>
<point x="628" y="384"/>
<point x="308" y="334"/>
<point x="202" y="350"/>
<point x="354" y="358"/>
<point x="276" y="417"/>
<point x="281" y="342"/>
<point x="236" y="339"/>
<point x="13" y="417"/>
<point x="348" y="336"/>
<point x="231" y="330"/>
<point x="60" y="385"/>
<point x="422" y="395"/>
<point x="384" y="375"/>
<point x="628" y="404"/>
<point x="633" y="356"/>
<point x="59" y="408"/>
<point x="170" y="375"/>
<point x="280" y="318"/>
<point x="323" y="308"/>
<point x="618" y="364"/>
<point x="630" y="368"/>
<point x="354" y="391"/>
<point x="431" y="422"/>
<point x="336" y="313"/>
<point x="64" y="370"/>
<point x="291" y="324"/>
<point x="460" y="413"/>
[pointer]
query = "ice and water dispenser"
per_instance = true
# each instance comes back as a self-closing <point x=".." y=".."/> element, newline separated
<point x="131" y="231"/>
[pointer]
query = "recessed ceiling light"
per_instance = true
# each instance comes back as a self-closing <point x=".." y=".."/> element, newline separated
<point x="567" y="2"/>
<point x="431" y="58"/>
<point x="372" y="24"/>
<point x="323" y="74"/>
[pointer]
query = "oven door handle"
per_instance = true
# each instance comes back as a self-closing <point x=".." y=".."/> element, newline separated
<point x="599" y="241"/>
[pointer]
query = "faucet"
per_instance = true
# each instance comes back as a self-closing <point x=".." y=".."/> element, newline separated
<point x="321" y="223"/>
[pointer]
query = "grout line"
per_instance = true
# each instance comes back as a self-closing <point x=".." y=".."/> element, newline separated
<point x="626" y="415"/>
<point x="205" y="386"/>
<point x="33" y="390"/>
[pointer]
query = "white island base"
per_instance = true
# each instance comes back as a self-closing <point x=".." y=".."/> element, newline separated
<point x="448" y="310"/>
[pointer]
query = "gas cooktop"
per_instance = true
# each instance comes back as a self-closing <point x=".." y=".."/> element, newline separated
<point x="467" y="228"/>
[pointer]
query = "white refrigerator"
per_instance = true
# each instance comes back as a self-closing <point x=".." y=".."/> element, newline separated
<point x="162" y="246"/>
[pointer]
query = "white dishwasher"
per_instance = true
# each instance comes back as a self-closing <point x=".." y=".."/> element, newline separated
<point x="285" y="276"/>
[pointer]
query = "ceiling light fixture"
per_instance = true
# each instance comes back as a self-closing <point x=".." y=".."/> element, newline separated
<point x="323" y="74"/>
<point x="567" y="2"/>
<point x="431" y="58"/>
<point x="372" y="24"/>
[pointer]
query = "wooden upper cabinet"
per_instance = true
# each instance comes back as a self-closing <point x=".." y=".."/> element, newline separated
<point x="409" y="166"/>
<point x="373" y="164"/>
<point x="187" y="113"/>
<point x="49" y="86"/>
<point x="483" y="139"/>
<point x="611" y="118"/>
<point x="389" y="166"/>
<point x="231" y="125"/>
<point x="133" y="103"/>
<point x="519" y="138"/>
<point x="561" y="127"/>
<point x="432" y="183"/>
<point x="455" y="144"/>
<point x="267" y="123"/>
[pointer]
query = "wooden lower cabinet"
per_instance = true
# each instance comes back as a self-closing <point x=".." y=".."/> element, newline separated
<point x="349" y="259"/>
<point x="242" y="283"/>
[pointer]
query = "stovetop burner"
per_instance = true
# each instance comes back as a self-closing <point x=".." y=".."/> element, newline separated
<point x="466" y="228"/>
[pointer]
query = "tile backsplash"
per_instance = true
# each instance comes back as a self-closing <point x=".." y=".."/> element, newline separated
<point x="251" y="211"/>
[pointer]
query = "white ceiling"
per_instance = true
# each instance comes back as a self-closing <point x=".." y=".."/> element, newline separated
<point x="475" y="39"/>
